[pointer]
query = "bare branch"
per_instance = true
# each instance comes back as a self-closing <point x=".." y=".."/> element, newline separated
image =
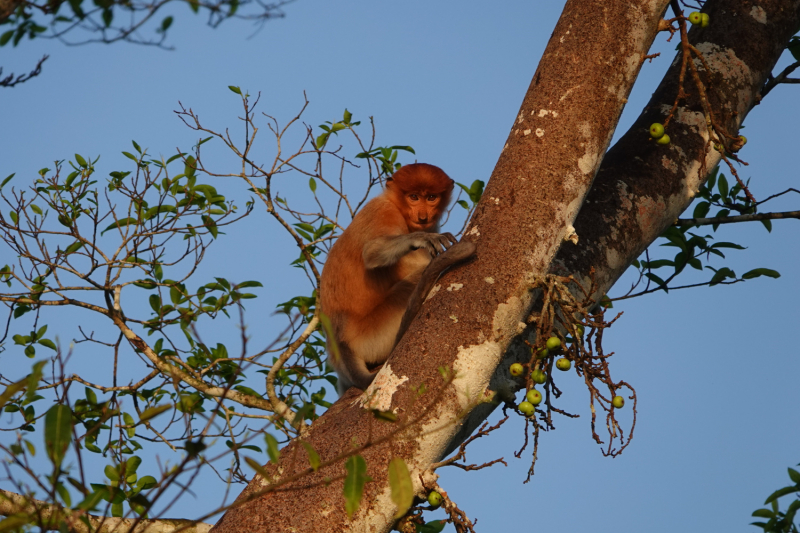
<point x="738" y="218"/>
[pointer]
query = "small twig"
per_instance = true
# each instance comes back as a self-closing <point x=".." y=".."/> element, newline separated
<point x="737" y="218"/>
<point x="772" y="82"/>
<point x="10" y="81"/>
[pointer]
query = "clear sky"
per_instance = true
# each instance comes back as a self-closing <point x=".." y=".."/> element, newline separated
<point x="716" y="369"/>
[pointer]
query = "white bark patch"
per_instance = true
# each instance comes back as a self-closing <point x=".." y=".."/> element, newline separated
<point x="520" y="118"/>
<point x="454" y="318"/>
<point x="759" y="14"/>
<point x="379" y="394"/>
<point x="489" y="280"/>
<point x="434" y="290"/>
<point x="570" y="234"/>
<point x="561" y="40"/>
<point x="539" y="132"/>
<point x="545" y="112"/>
<point x="732" y="69"/>
<point x="613" y="258"/>
<point x="695" y="120"/>
<point x="563" y="96"/>
<point x="505" y="319"/>
<point x="474" y="231"/>
<point x="669" y="164"/>
<point x="455" y="287"/>
<point x="473" y="368"/>
<point x="588" y="162"/>
<point x="526" y="132"/>
<point x="381" y="510"/>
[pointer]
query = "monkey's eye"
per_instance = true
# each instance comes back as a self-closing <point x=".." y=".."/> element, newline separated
<point x="414" y="197"/>
<point x="432" y="197"/>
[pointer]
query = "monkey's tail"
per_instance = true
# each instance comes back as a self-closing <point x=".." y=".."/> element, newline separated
<point x="457" y="253"/>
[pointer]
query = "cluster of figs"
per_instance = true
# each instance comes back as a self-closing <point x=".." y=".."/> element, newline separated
<point x="532" y="396"/>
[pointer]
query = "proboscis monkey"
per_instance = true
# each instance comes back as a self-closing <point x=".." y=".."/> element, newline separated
<point x="380" y="270"/>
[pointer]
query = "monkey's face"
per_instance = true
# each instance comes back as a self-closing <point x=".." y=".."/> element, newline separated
<point x="423" y="210"/>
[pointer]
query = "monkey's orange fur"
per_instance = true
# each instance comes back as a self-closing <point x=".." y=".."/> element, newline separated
<point x="375" y="265"/>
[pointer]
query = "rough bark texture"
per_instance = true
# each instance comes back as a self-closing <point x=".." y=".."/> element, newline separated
<point x="641" y="187"/>
<point x="544" y="172"/>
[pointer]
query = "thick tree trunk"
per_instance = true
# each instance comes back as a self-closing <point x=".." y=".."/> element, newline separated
<point x="541" y="179"/>
<point x="641" y="188"/>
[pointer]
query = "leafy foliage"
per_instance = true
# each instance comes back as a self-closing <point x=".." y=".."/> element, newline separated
<point x="781" y="521"/>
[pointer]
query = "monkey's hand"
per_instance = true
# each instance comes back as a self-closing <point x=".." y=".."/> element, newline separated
<point x="435" y="243"/>
<point x="387" y="251"/>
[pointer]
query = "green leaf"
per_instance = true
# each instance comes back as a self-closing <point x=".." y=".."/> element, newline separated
<point x="768" y="225"/>
<point x="74" y="247"/>
<point x="9" y="177"/>
<point x="701" y="210"/>
<point x="354" y="482"/>
<point x="111" y="473"/>
<point x="14" y="217"/>
<point x="431" y="527"/>
<point x="720" y="275"/>
<point x="146" y="482"/>
<point x="91" y="397"/>
<point x="6" y="37"/>
<point x="658" y="281"/>
<point x="235" y="89"/>
<point x="793" y="47"/>
<point x="347" y="116"/>
<point x="152" y="412"/>
<point x="313" y="456"/>
<point x="57" y="432"/>
<point x="155" y="302"/>
<point x="312" y="184"/>
<point x="246" y="284"/>
<point x="763" y="513"/>
<point x="166" y="23"/>
<point x="272" y="448"/>
<point x="794" y="475"/>
<point x="722" y="185"/>
<point x="658" y="263"/>
<point x="756" y="272"/>
<point x="48" y="343"/>
<point x="80" y="160"/>
<point x="255" y="465"/>
<point x="780" y="492"/>
<point x="728" y="245"/>
<point x="119" y="224"/>
<point x="15" y="521"/>
<point x="402" y="488"/>
<point x="11" y="390"/>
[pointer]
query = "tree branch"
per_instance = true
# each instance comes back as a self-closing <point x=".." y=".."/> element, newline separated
<point x="49" y="517"/>
<point x="738" y="218"/>
<point x="780" y="78"/>
<point x="9" y="80"/>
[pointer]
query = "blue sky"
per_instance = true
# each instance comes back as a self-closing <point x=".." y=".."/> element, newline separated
<point x="716" y="369"/>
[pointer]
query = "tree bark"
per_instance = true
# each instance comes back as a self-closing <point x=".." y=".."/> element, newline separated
<point x="642" y="188"/>
<point x="543" y="174"/>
